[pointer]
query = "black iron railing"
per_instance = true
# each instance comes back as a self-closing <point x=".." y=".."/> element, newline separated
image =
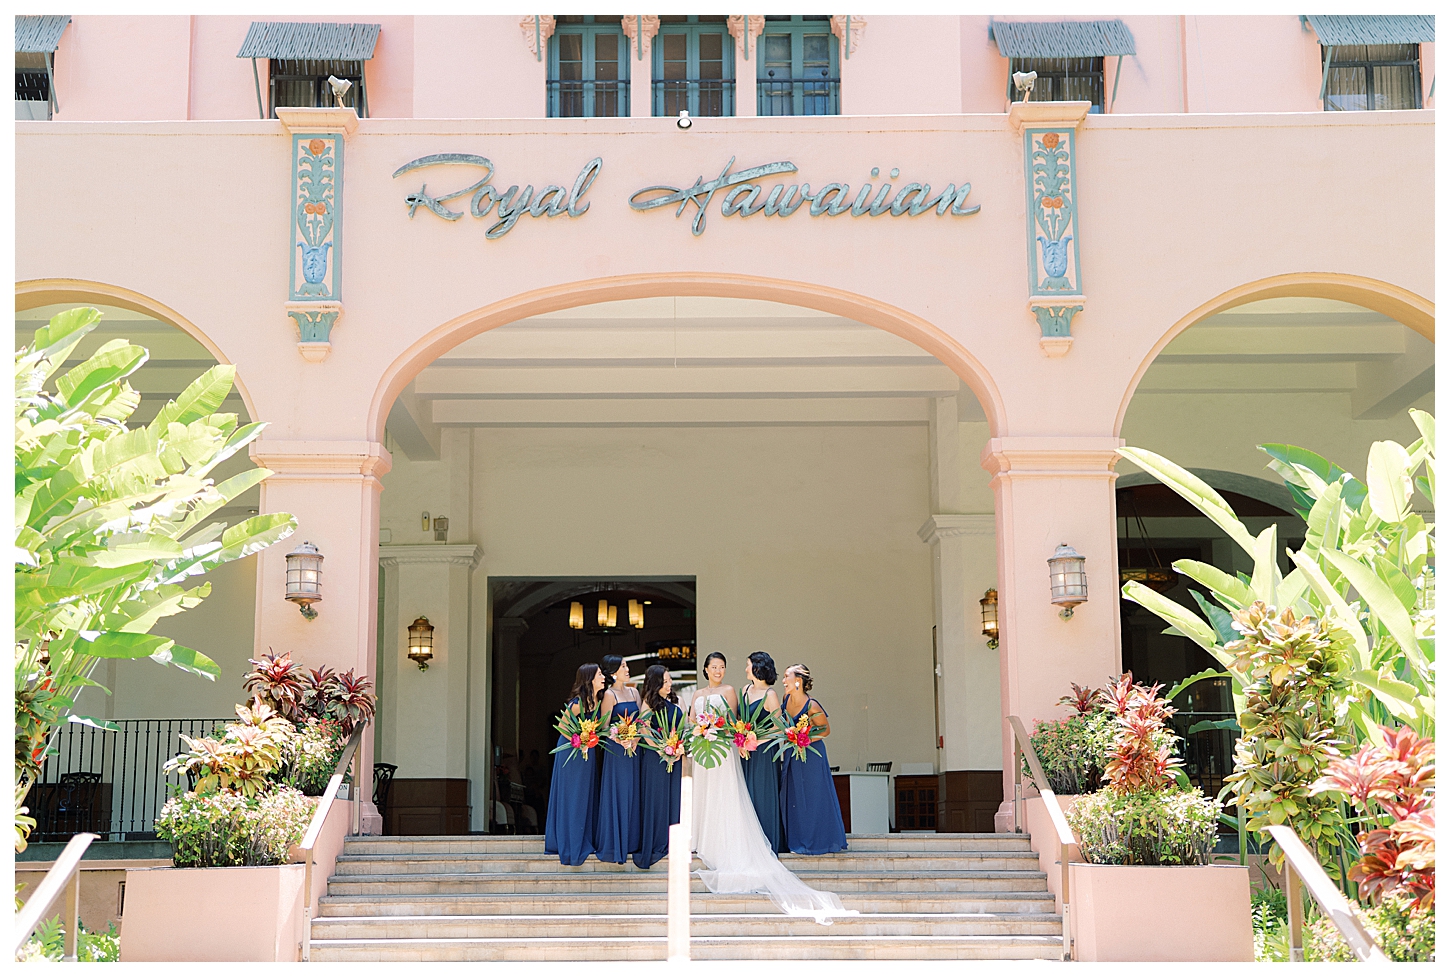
<point x="798" y="96"/>
<point x="700" y="97"/>
<point x="110" y="782"/>
<point x="577" y="99"/>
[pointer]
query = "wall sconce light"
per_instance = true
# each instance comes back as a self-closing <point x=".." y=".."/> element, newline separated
<point x="1068" y="572"/>
<point x="989" y="617"/>
<point x="440" y="529"/>
<point x="304" y="578"/>
<point x="576" y="616"/>
<point x="420" y="643"/>
<point x="636" y="614"/>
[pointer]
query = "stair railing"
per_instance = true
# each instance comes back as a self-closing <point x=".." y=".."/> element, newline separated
<point x="65" y="872"/>
<point x="1301" y="867"/>
<point x="1022" y="747"/>
<point x="677" y="926"/>
<point x="319" y="818"/>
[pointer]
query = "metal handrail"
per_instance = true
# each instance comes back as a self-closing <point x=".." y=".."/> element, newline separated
<point x="1300" y="865"/>
<point x="63" y="873"/>
<point x="319" y="818"/>
<point x="1022" y="747"/>
<point x="677" y="899"/>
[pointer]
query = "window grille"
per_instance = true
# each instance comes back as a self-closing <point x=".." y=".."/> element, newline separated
<point x="1365" y="77"/>
<point x="32" y="87"/>
<point x="588" y="68"/>
<point x="694" y="67"/>
<point x="302" y="83"/>
<point x="1061" y="80"/>
<point x="797" y="67"/>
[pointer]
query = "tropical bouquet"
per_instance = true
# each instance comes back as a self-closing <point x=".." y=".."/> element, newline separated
<point x="797" y="738"/>
<point x="751" y="726"/>
<point x="709" y="741"/>
<point x="581" y="732"/>
<point x="629" y="731"/>
<point x="665" y="733"/>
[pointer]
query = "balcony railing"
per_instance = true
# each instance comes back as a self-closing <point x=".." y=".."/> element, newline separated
<point x="710" y="97"/>
<point x="578" y="99"/>
<point x="820" y="95"/>
<point x="110" y="782"/>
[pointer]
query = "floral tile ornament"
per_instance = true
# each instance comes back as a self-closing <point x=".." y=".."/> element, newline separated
<point x="1053" y="267"/>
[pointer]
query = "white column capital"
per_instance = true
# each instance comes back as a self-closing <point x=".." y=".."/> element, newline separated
<point x="453" y="554"/>
<point x="942" y="525"/>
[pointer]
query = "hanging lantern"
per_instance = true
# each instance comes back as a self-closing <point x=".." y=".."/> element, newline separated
<point x="1067" y="571"/>
<point x="989" y="617"/>
<point x="420" y="643"/>
<point x="604" y="613"/>
<point x="612" y="621"/>
<point x="304" y="578"/>
<point x="636" y="614"/>
<point x="576" y="616"/>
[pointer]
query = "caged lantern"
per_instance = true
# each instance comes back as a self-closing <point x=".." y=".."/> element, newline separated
<point x="304" y="578"/>
<point x="420" y="643"/>
<point x="1067" y="570"/>
<point x="989" y="617"/>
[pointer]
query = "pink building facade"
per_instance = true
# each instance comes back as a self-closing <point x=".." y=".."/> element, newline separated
<point x="840" y="412"/>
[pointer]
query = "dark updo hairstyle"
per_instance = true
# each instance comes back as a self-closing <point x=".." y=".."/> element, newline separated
<point x="610" y="664"/>
<point x="763" y="666"/>
<point x="711" y="657"/>
<point x="654" y="680"/>
<point x="805" y="674"/>
<point x="583" y="689"/>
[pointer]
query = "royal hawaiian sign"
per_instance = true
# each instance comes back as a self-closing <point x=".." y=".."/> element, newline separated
<point x="742" y="193"/>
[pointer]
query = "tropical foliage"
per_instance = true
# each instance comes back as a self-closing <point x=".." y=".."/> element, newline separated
<point x="112" y="522"/>
<point x="228" y="828"/>
<point x="47" y="944"/>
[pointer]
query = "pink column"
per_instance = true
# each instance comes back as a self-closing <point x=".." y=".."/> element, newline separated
<point x="746" y="31"/>
<point x="332" y="487"/>
<point x="639" y="34"/>
<point x="1051" y="491"/>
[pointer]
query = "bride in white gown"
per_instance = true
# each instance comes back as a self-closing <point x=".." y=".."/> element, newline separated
<point x="727" y="835"/>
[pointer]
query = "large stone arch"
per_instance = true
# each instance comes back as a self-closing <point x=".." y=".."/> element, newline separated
<point x="1246" y="485"/>
<point x="1415" y="311"/>
<point x="58" y="291"/>
<point x="554" y="298"/>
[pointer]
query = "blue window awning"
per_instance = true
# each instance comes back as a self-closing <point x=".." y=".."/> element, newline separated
<point x="289" y="40"/>
<point x="39" y="34"/>
<point x="1336" y="30"/>
<point x="1062" y="38"/>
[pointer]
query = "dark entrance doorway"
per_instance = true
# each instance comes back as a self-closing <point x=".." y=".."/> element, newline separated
<point x="543" y="631"/>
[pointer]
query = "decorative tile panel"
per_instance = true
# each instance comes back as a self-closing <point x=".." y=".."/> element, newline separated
<point x="1052" y="238"/>
<point x="316" y="217"/>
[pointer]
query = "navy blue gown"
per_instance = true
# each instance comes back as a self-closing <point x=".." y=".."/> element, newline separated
<point x="808" y="806"/>
<point x="616" y="831"/>
<point x="573" y="806"/>
<point x="762" y="780"/>
<point x="659" y="801"/>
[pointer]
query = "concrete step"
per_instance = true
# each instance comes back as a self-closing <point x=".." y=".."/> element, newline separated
<point x="644" y="903"/>
<point x="747" y="925"/>
<point x="466" y="844"/>
<point x="655" y="881"/>
<point x="723" y="948"/>
<point x="909" y="862"/>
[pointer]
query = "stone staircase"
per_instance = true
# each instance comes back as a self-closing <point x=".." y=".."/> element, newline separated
<point x="921" y="897"/>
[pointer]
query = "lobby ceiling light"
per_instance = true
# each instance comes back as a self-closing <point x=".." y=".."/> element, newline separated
<point x="420" y="643"/>
<point x="605" y="619"/>
<point x="304" y="578"/>
<point x="989" y="617"/>
<point x="636" y="614"/>
<point x="576" y="616"/>
<point x="1067" y="572"/>
<point x="1156" y="577"/>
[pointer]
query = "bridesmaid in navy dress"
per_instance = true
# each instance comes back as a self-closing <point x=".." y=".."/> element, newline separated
<point x="573" y="792"/>
<point x="616" y="833"/>
<point x="809" y="808"/>
<point x="761" y="768"/>
<point x="659" y="789"/>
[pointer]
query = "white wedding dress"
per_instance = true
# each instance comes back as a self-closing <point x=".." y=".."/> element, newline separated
<point x="728" y="838"/>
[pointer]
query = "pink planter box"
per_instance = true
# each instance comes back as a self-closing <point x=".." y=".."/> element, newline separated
<point x="1161" y="913"/>
<point x="251" y="913"/>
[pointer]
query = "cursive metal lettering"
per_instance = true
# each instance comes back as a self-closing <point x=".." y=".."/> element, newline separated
<point x="512" y="204"/>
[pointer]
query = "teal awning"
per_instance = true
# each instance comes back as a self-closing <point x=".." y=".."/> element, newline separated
<point x="39" y="34"/>
<point x="1062" y="38"/>
<point x="292" y="41"/>
<point x="1336" y="30"/>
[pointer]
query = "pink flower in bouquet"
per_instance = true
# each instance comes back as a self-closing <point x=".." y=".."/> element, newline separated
<point x="574" y="741"/>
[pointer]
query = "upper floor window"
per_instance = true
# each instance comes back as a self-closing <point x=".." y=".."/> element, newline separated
<point x="588" y="68"/>
<point x="36" y="38"/>
<point x="1061" y="80"/>
<point x="694" y="67"/>
<point x="797" y="67"/>
<point x="1372" y="76"/>
<point x="301" y="57"/>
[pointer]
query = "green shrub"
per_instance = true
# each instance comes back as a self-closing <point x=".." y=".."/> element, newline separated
<point x="1270" y="911"/>
<point x="1406" y="934"/>
<point x="226" y="828"/>
<point x="1147" y="827"/>
<point x="47" y="944"/>
<point x="309" y="757"/>
<point x="1073" y="750"/>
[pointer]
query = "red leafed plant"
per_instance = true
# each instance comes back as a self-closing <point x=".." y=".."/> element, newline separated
<point x="319" y="688"/>
<point x="1394" y="782"/>
<point x="1141" y="757"/>
<point x="277" y="680"/>
<point x="1083" y="701"/>
<point x="352" y="703"/>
